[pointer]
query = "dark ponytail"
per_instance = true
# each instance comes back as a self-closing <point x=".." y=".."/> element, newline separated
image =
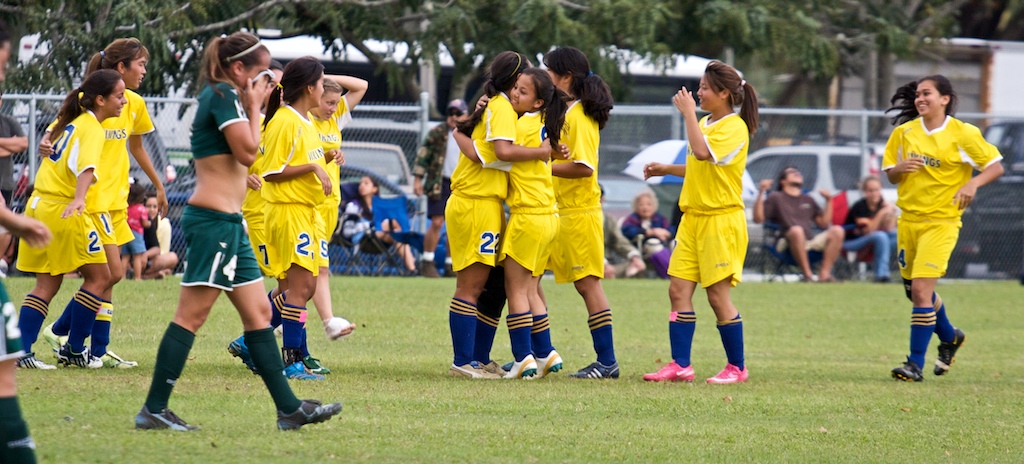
<point x="903" y="99"/>
<point x="220" y="52"/>
<point x="501" y="77"/>
<point x="98" y="84"/>
<point x="719" y="76"/>
<point x="592" y="91"/>
<point x="119" y="51"/>
<point x="298" y="74"/>
<point x="553" y="111"/>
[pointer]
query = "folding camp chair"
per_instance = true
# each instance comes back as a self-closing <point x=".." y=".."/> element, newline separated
<point x="781" y="262"/>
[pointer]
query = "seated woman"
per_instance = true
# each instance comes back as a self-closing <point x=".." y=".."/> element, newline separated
<point x="647" y="221"/>
<point x="872" y="221"/>
<point x="357" y="220"/>
<point x="161" y="260"/>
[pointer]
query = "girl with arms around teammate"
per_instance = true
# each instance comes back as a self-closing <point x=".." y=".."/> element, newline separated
<point x="930" y="156"/>
<point x="59" y="201"/>
<point x="712" y="238"/>
<point x="225" y="138"/>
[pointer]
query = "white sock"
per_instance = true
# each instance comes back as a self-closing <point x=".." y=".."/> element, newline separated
<point x="427" y="256"/>
<point x="448" y="260"/>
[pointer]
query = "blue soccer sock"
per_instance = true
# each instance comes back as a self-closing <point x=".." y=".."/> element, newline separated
<point x="276" y="303"/>
<point x="519" y="326"/>
<point x="540" y="336"/>
<point x="943" y="328"/>
<point x="483" y="341"/>
<point x="63" y="324"/>
<point x="462" y="322"/>
<point x="101" y="329"/>
<point x="83" y="308"/>
<point x="305" y="345"/>
<point x="680" y="336"/>
<point x="601" y="332"/>
<point x="293" y="318"/>
<point x="731" y="332"/>
<point x="922" y="326"/>
<point x="30" y="322"/>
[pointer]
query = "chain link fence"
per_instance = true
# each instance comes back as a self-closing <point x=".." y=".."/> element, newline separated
<point x="836" y="148"/>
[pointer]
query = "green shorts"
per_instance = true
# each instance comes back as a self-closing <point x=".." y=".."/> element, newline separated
<point x="10" y="336"/>
<point x="218" y="253"/>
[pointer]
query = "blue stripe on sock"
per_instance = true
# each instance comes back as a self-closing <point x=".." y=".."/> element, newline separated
<point x="920" y="336"/>
<point x="463" y="329"/>
<point x="680" y="336"/>
<point x="732" y="340"/>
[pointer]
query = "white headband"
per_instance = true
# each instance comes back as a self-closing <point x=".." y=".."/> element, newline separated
<point x="243" y="52"/>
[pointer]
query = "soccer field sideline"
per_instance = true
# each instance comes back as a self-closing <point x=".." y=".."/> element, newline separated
<point x="819" y="357"/>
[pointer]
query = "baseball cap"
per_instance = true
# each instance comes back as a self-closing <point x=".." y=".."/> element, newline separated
<point x="457" y="104"/>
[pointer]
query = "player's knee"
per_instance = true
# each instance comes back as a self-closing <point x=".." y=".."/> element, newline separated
<point x="908" y="286"/>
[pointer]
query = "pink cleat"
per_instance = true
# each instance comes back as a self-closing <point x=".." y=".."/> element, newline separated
<point x="672" y="372"/>
<point x="731" y="374"/>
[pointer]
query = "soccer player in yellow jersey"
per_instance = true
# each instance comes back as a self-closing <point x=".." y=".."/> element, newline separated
<point x="578" y="253"/>
<point x="296" y="183"/>
<point x="108" y="202"/>
<point x="711" y="243"/>
<point x="330" y="117"/>
<point x="59" y="201"/>
<point x="474" y="212"/>
<point x="930" y="157"/>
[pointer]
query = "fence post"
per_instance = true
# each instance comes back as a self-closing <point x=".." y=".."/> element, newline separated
<point x="677" y="123"/>
<point x="424" y="115"/>
<point x="864" y="143"/>
<point x="33" y="145"/>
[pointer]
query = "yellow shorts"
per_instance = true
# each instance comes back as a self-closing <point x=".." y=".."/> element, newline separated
<point x="258" y="239"/>
<point x="293" y="238"/>
<point x="474" y="230"/>
<point x="528" y="240"/>
<point x="75" y="243"/>
<point x="578" y="250"/>
<point x="104" y="227"/>
<point x="329" y="212"/>
<point x="923" y="248"/>
<point x="710" y="248"/>
<point x="122" y="231"/>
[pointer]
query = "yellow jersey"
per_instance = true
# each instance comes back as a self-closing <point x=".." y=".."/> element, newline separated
<point x="76" y="150"/>
<point x="583" y="137"/>
<point x="291" y="139"/>
<point x="252" y="206"/>
<point x="715" y="186"/>
<point x="330" y="137"/>
<point x="112" y="190"/>
<point x="529" y="182"/>
<point x="950" y="153"/>
<point x="488" y="178"/>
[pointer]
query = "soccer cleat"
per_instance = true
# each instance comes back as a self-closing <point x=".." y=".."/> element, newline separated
<point x="84" y="359"/>
<point x="549" y="364"/>
<point x="114" y="361"/>
<point x="55" y="341"/>
<point x="525" y="369"/>
<point x="297" y="371"/>
<point x="492" y="367"/>
<point x="238" y="349"/>
<point x="338" y="327"/>
<point x="671" y="372"/>
<point x="472" y="371"/>
<point x="29" y="361"/>
<point x="731" y="374"/>
<point x="311" y="412"/>
<point x="947" y="351"/>
<point x="597" y="370"/>
<point x="908" y="372"/>
<point x="165" y="419"/>
<point x="314" y="365"/>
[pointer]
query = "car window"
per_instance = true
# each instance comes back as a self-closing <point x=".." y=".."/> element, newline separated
<point x="769" y="167"/>
<point x="845" y="171"/>
<point x="387" y="163"/>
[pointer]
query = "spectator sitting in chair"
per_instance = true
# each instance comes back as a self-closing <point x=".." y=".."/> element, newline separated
<point x="622" y="259"/>
<point x="872" y="221"/>
<point x="796" y="214"/>
<point x="647" y="221"/>
<point x="161" y="261"/>
<point x="357" y="220"/>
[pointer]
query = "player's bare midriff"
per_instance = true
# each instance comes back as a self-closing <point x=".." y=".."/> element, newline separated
<point x="220" y="184"/>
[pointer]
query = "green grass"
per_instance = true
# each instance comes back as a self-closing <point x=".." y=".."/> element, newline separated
<point x="819" y="390"/>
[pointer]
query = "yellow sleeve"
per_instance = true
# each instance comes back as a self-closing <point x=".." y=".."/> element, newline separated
<point x="584" y="140"/>
<point x="342" y="114"/>
<point x="500" y="122"/>
<point x="979" y="153"/>
<point x="143" y="124"/>
<point x="86" y="153"/>
<point x="727" y="142"/>
<point x="893" y="149"/>
<point x="279" y="147"/>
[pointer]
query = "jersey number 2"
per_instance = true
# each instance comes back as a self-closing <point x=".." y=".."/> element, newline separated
<point x="489" y="242"/>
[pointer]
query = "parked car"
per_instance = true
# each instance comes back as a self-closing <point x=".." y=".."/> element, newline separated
<point x="386" y="159"/>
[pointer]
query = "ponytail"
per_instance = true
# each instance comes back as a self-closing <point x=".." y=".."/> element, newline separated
<point x="903" y="99"/>
<point x="748" y="109"/>
<point x="501" y="77"/>
<point x="719" y="76"/>
<point x="553" y="111"/>
<point x="99" y="84"/>
<point x="592" y="91"/>
<point x="119" y="51"/>
<point x="220" y="52"/>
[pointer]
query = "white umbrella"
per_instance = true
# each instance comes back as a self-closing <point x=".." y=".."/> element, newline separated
<point x="666" y="152"/>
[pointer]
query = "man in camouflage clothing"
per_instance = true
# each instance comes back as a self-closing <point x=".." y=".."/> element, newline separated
<point x="433" y="170"/>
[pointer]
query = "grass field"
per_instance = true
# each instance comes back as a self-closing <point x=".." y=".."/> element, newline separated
<point x="819" y="390"/>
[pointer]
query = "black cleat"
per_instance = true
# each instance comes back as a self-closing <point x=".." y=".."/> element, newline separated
<point x="597" y="370"/>
<point x="908" y="372"/>
<point x="310" y="412"/>
<point x="165" y="419"/>
<point x="947" y="351"/>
